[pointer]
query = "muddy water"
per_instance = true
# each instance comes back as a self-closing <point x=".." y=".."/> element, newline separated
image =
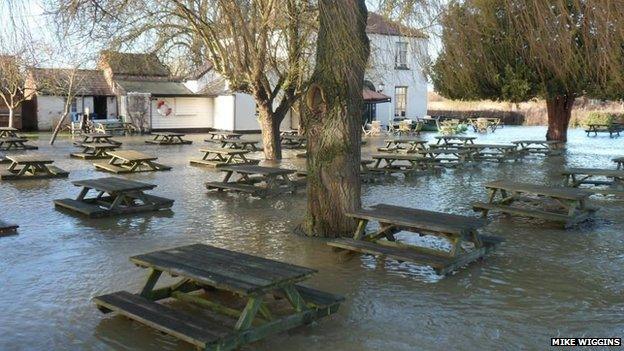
<point x="542" y="282"/>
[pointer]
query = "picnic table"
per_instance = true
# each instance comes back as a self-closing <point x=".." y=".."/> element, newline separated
<point x="93" y="151"/>
<point x="559" y="204"/>
<point x="453" y="141"/>
<point x="31" y="167"/>
<point x="407" y="145"/>
<point x="8" y="132"/>
<point x="600" y="181"/>
<point x="130" y="161"/>
<point x="293" y="141"/>
<point x="265" y="297"/>
<point x="113" y="196"/>
<point x="540" y="147"/>
<point x="482" y="124"/>
<point x="218" y="157"/>
<point x="290" y="132"/>
<point x="612" y="128"/>
<point x="408" y="164"/>
<point x="447" y="157"/>
<point x="168" y="138"/>
<point x="113" y="126"/>
<point x="255" y="180"/>
<point x="237" y="143"/>
<point x="619" y="162"/>
<point x="97" y="138"/>
<point x="223" y="135"/>
<point x="493" y="152"/>
<point x="15" y="143"/>
<point x="7" y="229"/>
<point x="461" y="232"/>
<point x="367" y="174"/>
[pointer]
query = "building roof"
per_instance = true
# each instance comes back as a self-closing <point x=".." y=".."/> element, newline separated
<point x="378" y="24"/>
<point x="51" y="81"/>
<point x="129" y="64"/>
<point x="372" y="96"/>
<point x="156" y="88"/>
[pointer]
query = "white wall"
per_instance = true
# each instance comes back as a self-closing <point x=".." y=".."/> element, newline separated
<point x="224" y="112"/>
<point x="186" y="113"/>
<point x="245" y="113"/>
<point x="49" y="110"/>
<point x="111" y="107"/>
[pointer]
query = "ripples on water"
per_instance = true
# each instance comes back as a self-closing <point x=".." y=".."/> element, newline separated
<point x="542" y="282"/>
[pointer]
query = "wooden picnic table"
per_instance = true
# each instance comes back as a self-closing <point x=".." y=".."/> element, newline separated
<point x="454" y="140"/>
<point x="15" y="143"/>
<point x="408" y="164"/>
<point x="447" y="157"/>
<point x="31" y="167"/>
<point x="493" y="152"/>
<point x="114" y="196"/>
<point x="612" y="128"/>
<point x="559" y="204"/>
<point x="457" y="230"/>
<point x="540" y="147"/>
<point x="168" y="138"/>
<point x="7" y="229"/>
<point x="600" y="181"/>
<point x="265" y="297"/>
<point x="407" y="145"/>
<point x="129" y="161"/>
<point x="237" y="143"/>
<point x="218" y="157"/>
<point x="290" y="132"/>
<point x="293" y="141"/>
<point x="93" y="151"/>
<point x="8" y="132"/>
<point x="619" y="161"/>
<point x="255" y="180"/>
<point x="104" y="138"/>
<point x="223" y="135"/>
<point x="367" y="174"/>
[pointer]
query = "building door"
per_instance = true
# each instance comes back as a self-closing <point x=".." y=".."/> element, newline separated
<point x="370" y="113"/>
<point x="99" y="107"/>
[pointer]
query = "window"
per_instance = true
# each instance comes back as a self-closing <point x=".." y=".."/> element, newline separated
<point x="400" y="56"/>
<point x="400" y="101"/>
<point x="74" y="106"/>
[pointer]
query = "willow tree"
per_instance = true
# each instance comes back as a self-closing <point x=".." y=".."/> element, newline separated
<point x="260" y="47"/>
<point x="333" y="121"/>
<point x="516" y="50"/>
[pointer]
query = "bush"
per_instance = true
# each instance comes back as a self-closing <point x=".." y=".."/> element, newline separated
<point x="600" y="118"/>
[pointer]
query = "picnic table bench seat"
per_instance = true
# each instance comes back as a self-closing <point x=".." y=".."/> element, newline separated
<point x="571" y="208"/>
<point x="168" y="138"/>
<point x="600" y="181"/>
<point x="94" y="150"/>
<point x="223" y="135"/>
<point x="255" y="180"/>
<point x="7" y="228"/>
<point x="259" y="284"/>
<point x="392" y="219"/>
<point x="96" y="138"/>
<point x="31" y="166"/>
<point x="15" y="143"/>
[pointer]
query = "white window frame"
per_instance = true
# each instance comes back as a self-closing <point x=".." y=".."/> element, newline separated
<point x="400" y="55"/>
<point x="400" y="107"/>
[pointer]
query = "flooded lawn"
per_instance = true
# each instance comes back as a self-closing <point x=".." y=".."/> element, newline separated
<point x="542" y="282"/>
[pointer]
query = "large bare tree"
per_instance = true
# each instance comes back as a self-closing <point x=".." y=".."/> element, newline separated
<point x="12" y="78"/>
<point x="261" y="47"/>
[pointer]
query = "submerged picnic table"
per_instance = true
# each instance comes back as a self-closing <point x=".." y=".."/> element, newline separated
<point x="367" y="174"/>
<point x="265" y="297"/>
<point x="114" y="196"/>
<point x="493" y="152"/>
<point x="237" y="143"/>
<point x="459" y="231"/>
<point x="453" y="141"/>
<point x="619" y="162"/>
<point x="559" y="204"/>
<point x="224" y="135"/>
<point x="408" y="164"/>
<point x="218" y="157"/>
<point x="601" y="181"/>
<point x="293" y="141"/>
<point x="541" y="147"/>
<point x="15" y="143"/>
<point x="31" y="167"/>
<point x="255" y="180"/>
<point x="612" y="128"/>
<point x="93" y="151"/>
<point x="8" y="132"/>
<point x="129" y="161"/>
<point x="6" y="228"/>
<point x="447" y="157"/>
<point x="407" y="145"/>
<point x="168" y="138"/>
<point x="97" y="138"/>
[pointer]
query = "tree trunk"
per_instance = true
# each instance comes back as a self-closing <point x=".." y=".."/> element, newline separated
<point x="270" y="124"/>
<point x="57" y="129"/>
<point x="332" y="124"/>
<point x="559" y="114"/>
<point x="11" y="114"/>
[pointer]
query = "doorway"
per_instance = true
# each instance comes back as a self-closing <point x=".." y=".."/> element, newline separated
<point x="99" y="107"/>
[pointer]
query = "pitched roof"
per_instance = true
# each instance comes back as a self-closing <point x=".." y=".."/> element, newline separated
<point x="373" y="96"/>
<point x="156" y="88"/>
<point x="378" y="24"/>
<point x="87" y="82"/>
<point x="129" y="64"/>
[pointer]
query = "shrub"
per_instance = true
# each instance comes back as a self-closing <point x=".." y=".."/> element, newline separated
<point x="600" y="118"/>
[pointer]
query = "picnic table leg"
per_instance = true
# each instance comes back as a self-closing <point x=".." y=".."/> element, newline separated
<point x="361" y="228"/>
<point x="152" y="279"/>
<point x="24" y="169"/>
<point x="228" y="175"/>
<point x="82" y="194"/>
<point x="249" y="313"/>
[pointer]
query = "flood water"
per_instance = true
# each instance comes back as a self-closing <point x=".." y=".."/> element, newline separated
<point x="542" y="282"/>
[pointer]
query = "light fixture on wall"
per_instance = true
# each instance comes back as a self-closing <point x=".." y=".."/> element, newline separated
<point x="381" y="87"/>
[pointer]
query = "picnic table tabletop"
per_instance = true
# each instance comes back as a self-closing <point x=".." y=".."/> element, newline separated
<point x="223" y="150"/>
<point x="224" y="269"/>
<point x="214" y="135"/>
<point x="399" y="157"/>
<point x="620" y="162"/>
<point x="31" y="158"/>
<point x="406" y="141"/>
<point x="490" y="146"/>
<point x="8" y="129"/>
<point x="99" y="145"/>
<point x="131" y="155"/>
<point x="8" y="132"/>
<point x="538" y="142"/>
<point x="255" y="169"/>
<point x="455" y="137"/>
<point x="168" y="134"/>
<point x="542" y="190"/>
<point x="113" y="184"/>
<point x="612" y="173"/>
